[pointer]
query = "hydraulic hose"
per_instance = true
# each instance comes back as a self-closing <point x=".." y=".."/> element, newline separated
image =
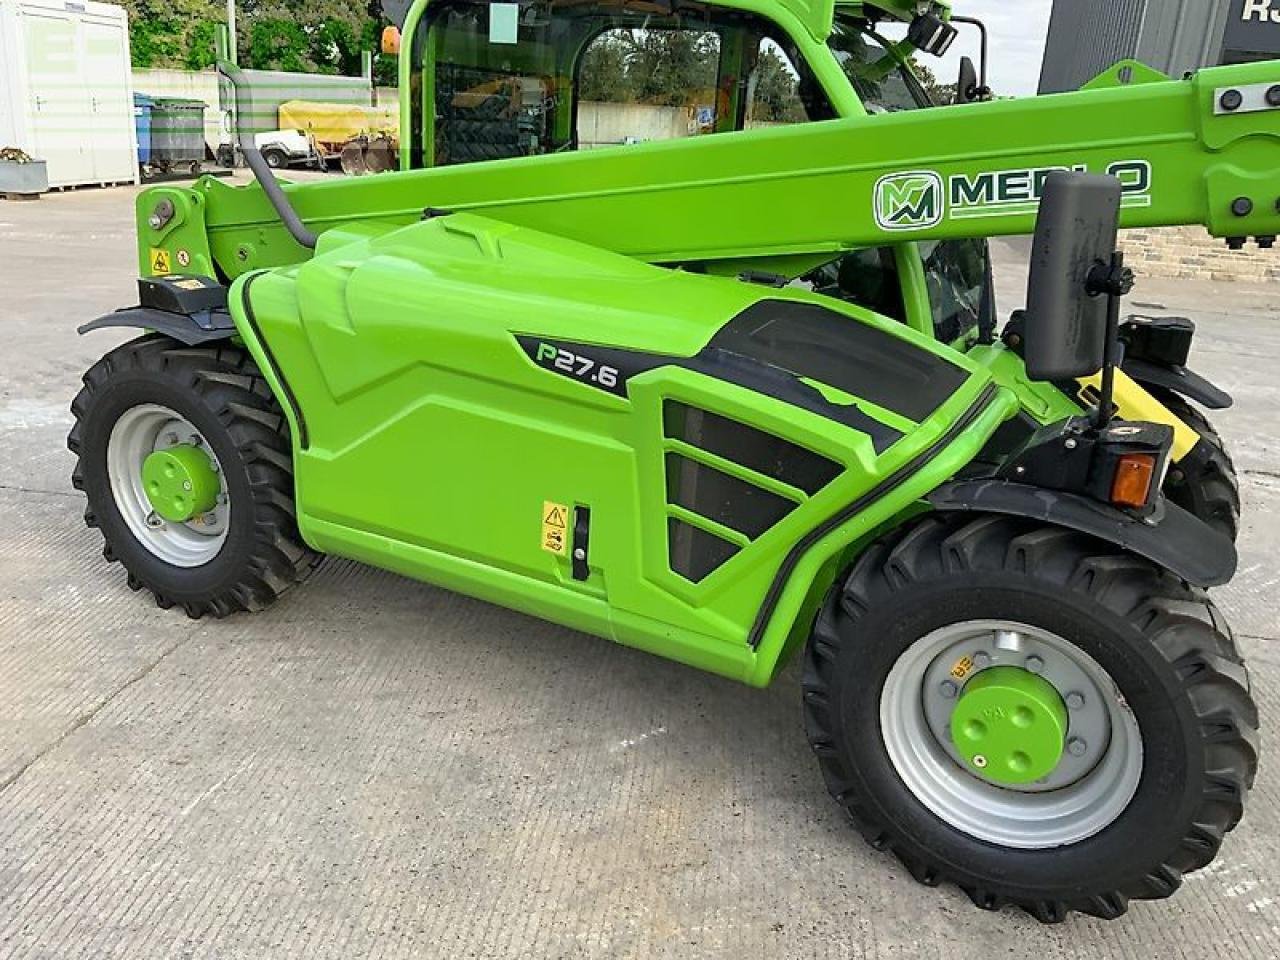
<point x="253" y="157"/>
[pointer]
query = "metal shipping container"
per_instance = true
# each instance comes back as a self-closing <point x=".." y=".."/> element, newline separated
<point x="66" y="91"/>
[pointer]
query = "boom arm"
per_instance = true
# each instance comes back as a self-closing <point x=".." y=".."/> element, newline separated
<point x="963" y="171"/>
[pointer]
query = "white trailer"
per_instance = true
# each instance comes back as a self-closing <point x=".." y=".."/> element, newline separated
<point x="66" y="91"/>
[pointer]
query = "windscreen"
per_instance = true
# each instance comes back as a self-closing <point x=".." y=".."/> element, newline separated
<point x="882" y="83"/>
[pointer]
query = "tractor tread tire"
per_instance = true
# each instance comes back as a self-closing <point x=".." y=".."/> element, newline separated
<point x="1211" y="490"/>
<point x="1179" y="621"/>
<point x="224" y="380"/>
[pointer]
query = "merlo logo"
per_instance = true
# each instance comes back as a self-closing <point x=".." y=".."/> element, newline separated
<point x="909" y="201"/>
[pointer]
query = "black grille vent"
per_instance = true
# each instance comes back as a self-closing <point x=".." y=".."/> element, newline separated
<point x="731" y="502"/>
<point x="754" y="449"/>
<point x="693" y="552"/>
<point x="737" y="510"/>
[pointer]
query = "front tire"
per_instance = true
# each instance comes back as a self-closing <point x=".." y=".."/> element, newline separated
<point x="1204" y="482"/>
<point x="1156" y="650"/>
<point x="151" y="396"/>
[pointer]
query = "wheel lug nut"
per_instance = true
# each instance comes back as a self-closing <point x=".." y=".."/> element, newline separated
<point x="979" y="761"/>
<point x="1034" y="664"/>
<point x="948" y="689"/>
<point x="1075" y="700"/>
<point x="1076" y="747"/>
<point x="981" y="659"/>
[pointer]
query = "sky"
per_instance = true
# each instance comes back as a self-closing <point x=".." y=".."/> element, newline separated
<point x="1017" y="31"/>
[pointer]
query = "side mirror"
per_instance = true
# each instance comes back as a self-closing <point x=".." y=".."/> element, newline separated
<point x="967" y="85"/>
<point x="1067" y="311"/>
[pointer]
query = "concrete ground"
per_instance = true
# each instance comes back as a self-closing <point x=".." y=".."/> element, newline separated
<point x="377" y="768"/>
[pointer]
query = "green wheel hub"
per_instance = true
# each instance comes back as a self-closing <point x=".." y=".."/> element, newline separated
<point x="1010" y="725"/>
<point x="180" y="482"/>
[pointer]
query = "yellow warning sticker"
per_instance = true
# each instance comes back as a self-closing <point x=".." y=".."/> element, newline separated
<point x="962" y="667"/>
<point x="555" y="528"/>
<point x="160" y="263"/>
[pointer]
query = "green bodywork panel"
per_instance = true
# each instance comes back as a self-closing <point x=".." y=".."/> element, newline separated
<point x="180" y="482"/>
<point x="433" y="440"/>
<point x="1010" y="725"/>
<point x="416" y="359"/>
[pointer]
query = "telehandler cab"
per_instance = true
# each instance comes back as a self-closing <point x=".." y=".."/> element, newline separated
<point x="737" y="395"/>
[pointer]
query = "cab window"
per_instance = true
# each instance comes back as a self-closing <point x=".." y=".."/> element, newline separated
<point x="647" y="84"/>
<point x="501" y="80"/>
<point x="880" y="80"/>
<point x="774" y="88"/>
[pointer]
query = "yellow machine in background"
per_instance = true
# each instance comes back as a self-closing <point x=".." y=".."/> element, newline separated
<point x="365" y="139"/>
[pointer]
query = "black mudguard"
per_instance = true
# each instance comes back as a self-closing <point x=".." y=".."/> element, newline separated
<point x="1180" y="380"/>
<point x="1174" y="538"/>
<point x="189" y="328"/>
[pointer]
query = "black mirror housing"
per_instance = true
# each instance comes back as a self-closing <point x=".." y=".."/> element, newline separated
<point x="967" y="85"/>
<point x="1067" y="315"/>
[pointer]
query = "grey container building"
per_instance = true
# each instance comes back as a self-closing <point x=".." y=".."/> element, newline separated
<point x="1174" y="36"/>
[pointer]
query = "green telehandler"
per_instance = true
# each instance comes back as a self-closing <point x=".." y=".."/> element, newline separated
<point x="740" y="394"/>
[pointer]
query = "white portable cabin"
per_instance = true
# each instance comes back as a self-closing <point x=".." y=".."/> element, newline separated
<point x="66" y="89"/>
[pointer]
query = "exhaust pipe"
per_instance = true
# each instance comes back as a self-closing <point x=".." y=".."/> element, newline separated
<point x="253" y="157"/>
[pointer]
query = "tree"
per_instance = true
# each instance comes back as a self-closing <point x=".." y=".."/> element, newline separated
<point x="173" y="33"/>
<point x="671" y="67"/>
<point x="603" y="73"/>
<point x="942" y="94"/>
<point x="775" y="98"/>
<point x="309" y="36"/>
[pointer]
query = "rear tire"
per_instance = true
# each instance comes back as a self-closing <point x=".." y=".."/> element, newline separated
<point x="1205" y="482"/>
<point x="218" y="393"/>
<point x="276" y="159"/>
<point x="1163" y="645"/>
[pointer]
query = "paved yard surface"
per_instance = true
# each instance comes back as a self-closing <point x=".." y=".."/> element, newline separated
<point x="377" y="768"/>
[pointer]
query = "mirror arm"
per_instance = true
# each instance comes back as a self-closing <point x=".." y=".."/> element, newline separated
<point x="983" y="92"/>
<point x="1113" y="280"/>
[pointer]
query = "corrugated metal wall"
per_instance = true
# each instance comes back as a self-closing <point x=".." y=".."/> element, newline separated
<point x="1087" y="36"/>
<point x="1182" y="35"/>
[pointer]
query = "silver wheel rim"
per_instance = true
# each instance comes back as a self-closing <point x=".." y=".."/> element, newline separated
<point x="1082" y="796"/>
<point x="140" y="431"/>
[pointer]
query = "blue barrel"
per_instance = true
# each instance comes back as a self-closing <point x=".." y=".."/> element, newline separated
<point x="142" y="105"/>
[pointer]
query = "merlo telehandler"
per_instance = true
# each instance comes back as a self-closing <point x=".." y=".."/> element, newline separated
<point x="740" y="394"/>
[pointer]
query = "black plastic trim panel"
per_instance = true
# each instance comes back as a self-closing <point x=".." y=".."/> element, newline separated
<point x="289" y="396"/>
<point x="1177" y="540"/>
<point x="1180" y="380"/>
<point x="818" y="343"/>
<point x="189" y="328"/>
<point x="879" y="491"/>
